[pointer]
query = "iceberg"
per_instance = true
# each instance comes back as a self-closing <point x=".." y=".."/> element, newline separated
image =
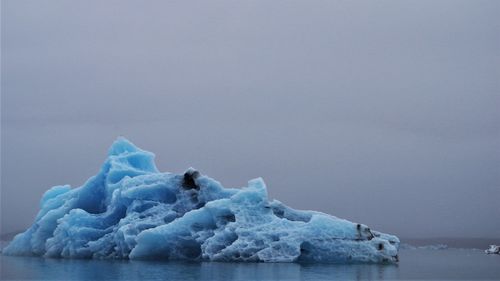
<point x="130" y="210"/>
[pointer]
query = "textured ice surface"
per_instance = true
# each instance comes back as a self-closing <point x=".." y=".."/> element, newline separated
<point x="131" y="210"/>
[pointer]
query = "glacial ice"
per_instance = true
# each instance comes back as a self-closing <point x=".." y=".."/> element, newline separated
<point x="131" y="210"/>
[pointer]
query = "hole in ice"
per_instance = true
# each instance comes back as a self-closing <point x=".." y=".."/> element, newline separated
<point x="280" y="213"/>
<point x="189" y="180"/>
<point x="305" y="251"/>
<point x="190" y="249"/>
<point x="224" y="219"/>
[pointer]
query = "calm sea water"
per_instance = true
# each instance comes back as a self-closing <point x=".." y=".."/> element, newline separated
<point x="450" y="264"/>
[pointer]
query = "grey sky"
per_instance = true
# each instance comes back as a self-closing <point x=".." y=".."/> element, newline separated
<point x="381" y="112"/>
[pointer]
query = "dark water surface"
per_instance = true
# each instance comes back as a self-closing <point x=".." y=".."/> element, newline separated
<point x="450" y="264"/>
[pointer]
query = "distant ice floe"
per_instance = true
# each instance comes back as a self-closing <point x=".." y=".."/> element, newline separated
<point x="406" y="246"/>
<point x="494" y="249"/>
<point x="130" y="210"/>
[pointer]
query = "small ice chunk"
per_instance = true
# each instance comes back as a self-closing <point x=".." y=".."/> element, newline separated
<point x="494" y="249"/>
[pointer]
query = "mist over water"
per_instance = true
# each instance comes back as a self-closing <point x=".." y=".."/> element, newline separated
<point x="384" y="113"/>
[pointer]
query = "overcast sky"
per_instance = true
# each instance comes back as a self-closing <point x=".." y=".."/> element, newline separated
<point x="381" y="112"/>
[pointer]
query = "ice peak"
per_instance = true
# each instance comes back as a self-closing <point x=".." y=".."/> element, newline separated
<point x="122" y="145"/>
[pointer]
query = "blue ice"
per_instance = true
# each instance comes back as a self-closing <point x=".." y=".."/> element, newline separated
<point x="131" y="210"/>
